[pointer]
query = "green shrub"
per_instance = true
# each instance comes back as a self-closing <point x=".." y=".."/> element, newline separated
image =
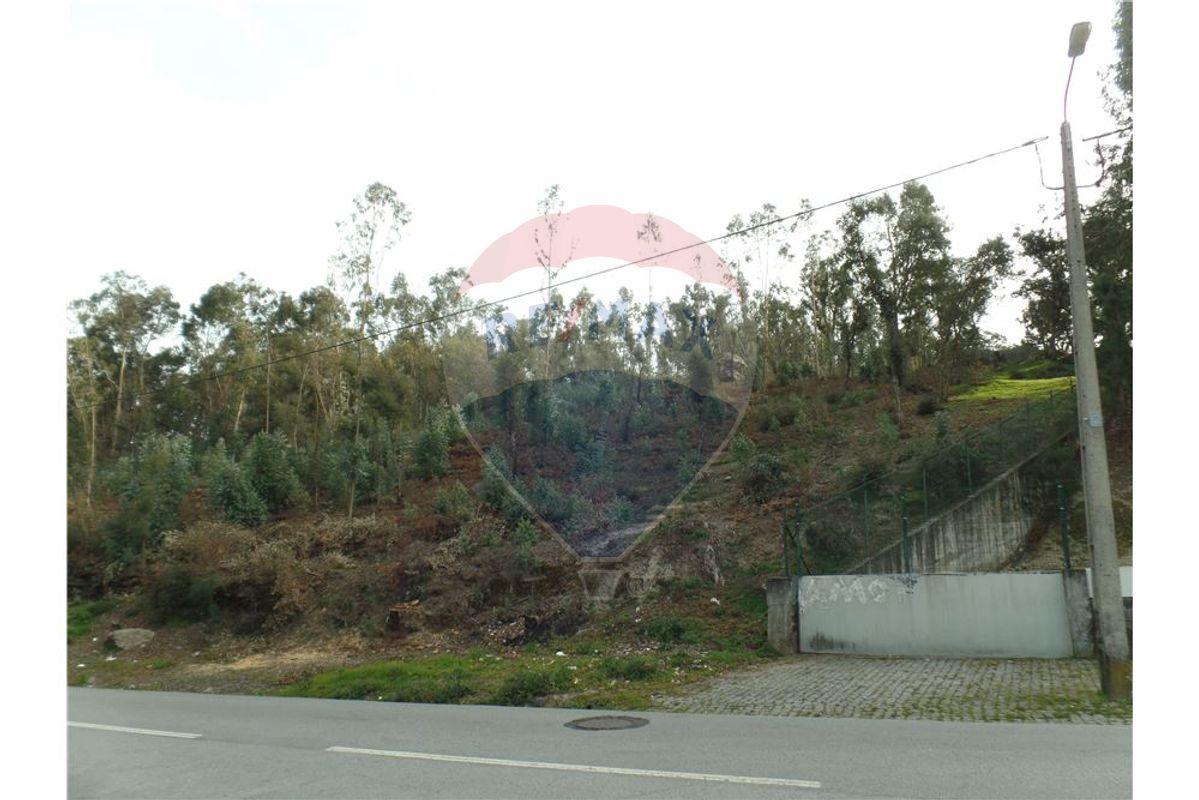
<point x="619" y="511"/>
<point x="493" y="488"/>
<point x="456" y="503"/>
<point x="524" y="536"/>
<point x="748" y="598"/>
<point x="268" y="464"/>
<point x="592" y="460"/>
<point x="446" y="421"/>
<point x="126" y="534"/>
<point x="742" y="448"/>
<point x="690" y="463"/>
<point x="231" y="491"/>
<point x="868" y="469"/>
<point x="764" y="476"/>
<point x="387" y="465"/>
<point x="857" y="397"/>
<point x="670" y="630"/>
<point x="571" y="433"/>
<point x="431" y="455"/>
<point x="635" y="668"/>
<point x="830" y="549"/>
<point x="81" y="616"/>
<point x="322" y="466"/>
<point x="888" y="427"/>
<point x="552" y="504"/>
<point x="788" y="372"/>
<point x="779" y="412"/>
<point x="644" y="421"/>
<point x="150" y="485"/>
<point x="525" y="685"/>
<point x="943" y="429"/>
<point x="176" y="594"/>
<point x="929" y="404"/>
<point x="759" y="474"/>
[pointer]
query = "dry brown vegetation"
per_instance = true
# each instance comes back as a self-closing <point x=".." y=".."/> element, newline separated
<point x="256" y="610"/>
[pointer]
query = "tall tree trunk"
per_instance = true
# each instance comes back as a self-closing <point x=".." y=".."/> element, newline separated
<point x="268" y="390"/>
<point x="295" y="428"/>
<point x="116" y="418"/>
<point x="91" y="461"/>
<point x="896" y="354"/>
<point x="241" y="404"/>
<point x="847" y="343"/>
<point x="357" y="418"/>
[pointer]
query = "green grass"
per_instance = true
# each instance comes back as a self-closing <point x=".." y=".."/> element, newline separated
<point x="1038" y="368"/>
<point x="116" y="673"/>
<point x="535" y="676"/>
<point x="637" y="668"/>
<point x="1012" y="389"/>
<point x="81" y="616"/>
<point x="439" y="679"/>
<point x="526" y="685"/>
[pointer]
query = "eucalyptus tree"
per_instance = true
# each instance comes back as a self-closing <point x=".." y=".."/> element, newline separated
<point x="897" y="252"/>
<point x="85" y="394"/>
<point x="123" y="320"/>
<point x="839" y="314"/>
<point x="1107" y="229"/>
<point x="960" y="296"/>
<point x="1046" y="292"/>
<point x="552" y="256"/>
<point x="226" y="334"/>
<point x="371" y="230"/>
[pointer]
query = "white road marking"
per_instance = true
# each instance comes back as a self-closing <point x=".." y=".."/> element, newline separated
<point x="641" y="773"/>
<point x="122" y="729"/>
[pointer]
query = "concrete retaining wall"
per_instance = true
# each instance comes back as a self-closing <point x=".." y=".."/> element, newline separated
<point x="781" y="610"/>
<point x="981" y="533"/>
<point x="1000" y="615"/>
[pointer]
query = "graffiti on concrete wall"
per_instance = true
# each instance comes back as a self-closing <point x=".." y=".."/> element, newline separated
<point x="826" y="590"/>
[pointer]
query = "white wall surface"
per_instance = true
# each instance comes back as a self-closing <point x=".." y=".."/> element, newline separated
<point x="1007" y="615"/>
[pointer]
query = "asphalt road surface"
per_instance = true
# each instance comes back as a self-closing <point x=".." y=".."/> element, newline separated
<point x="167" y="745"/>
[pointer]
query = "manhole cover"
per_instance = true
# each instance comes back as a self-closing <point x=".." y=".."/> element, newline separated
<point x="607" y="723"/>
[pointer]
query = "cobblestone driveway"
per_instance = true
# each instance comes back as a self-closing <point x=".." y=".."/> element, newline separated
<point x="913" y="688"/>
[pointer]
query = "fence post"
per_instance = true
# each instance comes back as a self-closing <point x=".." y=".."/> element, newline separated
<point x="866" y="526"/>
<point x="969" y="474"/>
<point x="904" y="549"/>
<point x="924" y="486"/>
<point x="797" y="546"/>
<point x="786" y="532"/>
<point x="1064" y="524"/>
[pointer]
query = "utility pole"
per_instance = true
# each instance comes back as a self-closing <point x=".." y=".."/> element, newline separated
<point x="1115" y="656"/>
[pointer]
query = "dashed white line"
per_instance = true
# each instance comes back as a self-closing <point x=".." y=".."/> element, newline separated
<point x="640" y="773"/>
<point x="143" y="731"/>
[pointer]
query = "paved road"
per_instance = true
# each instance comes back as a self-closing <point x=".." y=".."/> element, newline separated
<point x="197" y="745"/>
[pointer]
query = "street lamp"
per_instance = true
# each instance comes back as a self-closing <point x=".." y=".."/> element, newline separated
<point x="1115" y="657"/>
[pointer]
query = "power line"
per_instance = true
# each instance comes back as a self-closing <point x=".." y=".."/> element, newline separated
<point x="1125" y="129"/>
<point x="504" y="300"/>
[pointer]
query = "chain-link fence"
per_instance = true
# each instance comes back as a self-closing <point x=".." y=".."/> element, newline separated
<point x="876" y="526"/>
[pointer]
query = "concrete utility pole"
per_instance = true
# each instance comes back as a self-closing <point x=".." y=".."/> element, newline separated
<point x="1115" y="657"/>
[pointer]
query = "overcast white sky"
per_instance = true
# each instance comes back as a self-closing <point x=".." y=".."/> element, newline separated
<point x="213" y="138"/>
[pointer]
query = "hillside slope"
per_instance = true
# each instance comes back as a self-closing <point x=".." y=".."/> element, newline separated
<point x="439" y="574"/>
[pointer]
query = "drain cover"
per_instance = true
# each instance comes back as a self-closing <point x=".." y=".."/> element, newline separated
<point x="607" y="723"/>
